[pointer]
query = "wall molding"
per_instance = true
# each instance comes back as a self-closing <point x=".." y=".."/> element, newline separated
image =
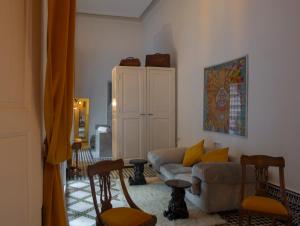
<point x="122" y="18"/>
<point x="149" y="8"/>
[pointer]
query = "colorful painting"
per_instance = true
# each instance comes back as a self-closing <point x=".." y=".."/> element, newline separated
<point x="225" y="97"/>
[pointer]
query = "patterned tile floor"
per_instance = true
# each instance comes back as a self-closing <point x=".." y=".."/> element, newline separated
<point x="80" y="206"/>
<point x="79" y="200"/>
<point x="81" y="210"/>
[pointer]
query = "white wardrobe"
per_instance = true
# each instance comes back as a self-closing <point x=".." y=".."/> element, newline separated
<point x="143" y="110"/>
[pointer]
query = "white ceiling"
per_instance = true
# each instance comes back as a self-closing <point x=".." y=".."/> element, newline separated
<point x="124" y="8"/>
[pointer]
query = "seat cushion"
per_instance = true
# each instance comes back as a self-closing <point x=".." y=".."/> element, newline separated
<point x="264" y="205"/>
<point x="169" y="171"/>
<point x="125" y="217"/>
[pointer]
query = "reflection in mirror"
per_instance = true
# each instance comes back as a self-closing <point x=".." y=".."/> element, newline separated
<point x="81" y="119"/>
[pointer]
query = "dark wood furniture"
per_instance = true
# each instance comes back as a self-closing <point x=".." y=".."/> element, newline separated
<point x="130" y="61"/>
<point x="138" y="178"/>
<point x="158" y="60"/>
<point x="177" y="207"/>
<point x="108" y="215"/>
<point x="74" y="171"/>
<point x="260" y="204"/>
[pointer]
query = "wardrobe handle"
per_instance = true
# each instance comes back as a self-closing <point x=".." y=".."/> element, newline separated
<point x="150" y="114"/>
<point x="143" y="114"/>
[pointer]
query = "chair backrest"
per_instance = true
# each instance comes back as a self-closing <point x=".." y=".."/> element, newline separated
<point x="102" y="170"/>
<point x="77" y="145"/>
<point x="262" y="164"/>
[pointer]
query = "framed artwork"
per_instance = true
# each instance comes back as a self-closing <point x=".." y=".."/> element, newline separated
<point x="225" y="97"/>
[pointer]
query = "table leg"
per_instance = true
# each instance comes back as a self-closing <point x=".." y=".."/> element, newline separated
<point x="76" y="170"/>
<point x="177" y="207"/>
<point x="139" y="178"/>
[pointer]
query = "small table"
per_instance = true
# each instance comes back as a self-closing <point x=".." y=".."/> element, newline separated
<point x="75" y="171"/>
<point x="177" y="207"/>
<point x="139" y="178"/>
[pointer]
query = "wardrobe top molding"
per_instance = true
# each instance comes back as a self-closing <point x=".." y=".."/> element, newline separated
<point x="154" y="68"/>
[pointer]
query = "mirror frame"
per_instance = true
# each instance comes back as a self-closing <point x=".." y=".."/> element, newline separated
<point x="76" y="120"/>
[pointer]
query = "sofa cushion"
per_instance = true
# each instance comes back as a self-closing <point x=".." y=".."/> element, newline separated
<point x="193" y="154"/>
<point x="165" y="156"/>
<point x="218" y="155"/>
<point x="184" y="176"/>
<point x="170" y="170"/>
<point x="222" y="173"/>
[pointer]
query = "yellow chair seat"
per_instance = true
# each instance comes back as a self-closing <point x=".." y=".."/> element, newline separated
<point x="264" y="205"/>
<point x="125" y="217"/>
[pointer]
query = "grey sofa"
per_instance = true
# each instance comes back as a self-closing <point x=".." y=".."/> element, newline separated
<point x="215" y="186"/>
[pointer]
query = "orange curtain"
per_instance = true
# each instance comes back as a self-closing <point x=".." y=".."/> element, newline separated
<point x="58" y="106"/>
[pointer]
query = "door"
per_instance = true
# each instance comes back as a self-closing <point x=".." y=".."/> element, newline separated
<point x="20" y="113"/>
<point x="161" y="108"/>
<point x="131" y="112"/>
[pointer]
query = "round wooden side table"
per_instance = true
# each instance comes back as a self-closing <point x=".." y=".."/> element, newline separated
<point x="138" y="178"/>
<point x="177" y="207"/>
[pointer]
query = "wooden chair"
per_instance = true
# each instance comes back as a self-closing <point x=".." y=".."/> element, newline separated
<point x="260" y="204"/>
<point x="124" y="216"/>
<point x="71" y="169"/>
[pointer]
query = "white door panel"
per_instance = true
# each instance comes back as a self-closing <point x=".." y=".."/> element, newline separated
<point x="131" y="85"/>
<point x="13" y="201"/>
<point x="160" y="134"/>
<point x="129" y="139"/>
<point x="131" y="98"/>
<point x="132" y="138"/>
<point x="115" y="139"/>
<point x="161" y="108"/>
<point x="159" y="92"/>
<point x="20" y="114"/>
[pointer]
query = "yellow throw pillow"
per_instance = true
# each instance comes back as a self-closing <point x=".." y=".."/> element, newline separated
<point x="218" y="155"/>
<point x="193" y="154"/>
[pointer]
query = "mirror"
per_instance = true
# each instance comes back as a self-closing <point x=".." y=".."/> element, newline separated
<point x="81" y="119"/>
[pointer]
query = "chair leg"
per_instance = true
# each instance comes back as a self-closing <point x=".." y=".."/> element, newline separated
<point x="289" y="222"/>
<point x="274" y="222"/>
<point x="249" y="220"/>
<point x="241" y="218"/>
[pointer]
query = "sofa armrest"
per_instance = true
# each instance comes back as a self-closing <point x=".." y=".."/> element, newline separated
<point x="222" y="173"/>
<point x="164" y="156"/>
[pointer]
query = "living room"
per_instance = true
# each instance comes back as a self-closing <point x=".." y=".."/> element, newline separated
<point x="197" y="35"/>
<point x="202" y="38"/>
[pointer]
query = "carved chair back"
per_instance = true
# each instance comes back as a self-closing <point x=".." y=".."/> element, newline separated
<point x="102" y="170"/>
<point x="262" y="164"/>
<point x="76" y="145"/>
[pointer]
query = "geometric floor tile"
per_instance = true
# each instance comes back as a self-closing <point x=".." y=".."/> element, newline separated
<point x="117" y="203"/>
<point x="90" y="199"/>
<point x="70" y="200"/>
<point x="80" y="206"/>
<point x="82" y="221"/>
<point x="81" y="211"/>
<point x="80" y="194"/>
<point x="79" y="184"/>
<point x="87" y="189"/>
<point x="92" y="213"/>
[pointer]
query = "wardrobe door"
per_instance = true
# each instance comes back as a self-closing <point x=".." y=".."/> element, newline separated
<point x="161" y="108"/>
<point x="131" y="109"/>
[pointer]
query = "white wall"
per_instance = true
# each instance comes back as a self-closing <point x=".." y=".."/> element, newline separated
<point x="100" y="44"/>
<point x="200" y="33"/>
